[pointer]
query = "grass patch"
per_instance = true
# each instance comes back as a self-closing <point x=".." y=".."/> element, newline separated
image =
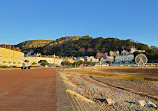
<point x="129" y="73"/>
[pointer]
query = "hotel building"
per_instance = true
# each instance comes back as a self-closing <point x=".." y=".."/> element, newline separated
<point x="10" y="57"/>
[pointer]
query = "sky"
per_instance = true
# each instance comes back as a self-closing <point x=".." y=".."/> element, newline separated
<point x="22" y="20"/>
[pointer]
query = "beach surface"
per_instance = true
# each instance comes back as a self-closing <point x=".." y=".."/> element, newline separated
<point x="123" y="86"/>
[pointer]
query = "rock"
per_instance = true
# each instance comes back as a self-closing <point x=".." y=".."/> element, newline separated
<point x="110" y="101"/>
<point x="150" y="104"/>
<point x="141" y="102"/>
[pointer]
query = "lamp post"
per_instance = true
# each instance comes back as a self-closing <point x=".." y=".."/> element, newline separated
<point x="54" y="60"/>
<point x="101" y="62"/>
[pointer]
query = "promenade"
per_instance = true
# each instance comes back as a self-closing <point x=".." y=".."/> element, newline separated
<point x="28" y="90"/>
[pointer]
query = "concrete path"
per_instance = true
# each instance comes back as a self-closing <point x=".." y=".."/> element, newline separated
<point x="63" y="101"/>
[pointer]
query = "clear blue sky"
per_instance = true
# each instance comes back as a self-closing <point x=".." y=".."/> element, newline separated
<point x="22" y="20"/>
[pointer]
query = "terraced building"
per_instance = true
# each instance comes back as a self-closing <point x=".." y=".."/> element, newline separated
<point x="10" y="56"/>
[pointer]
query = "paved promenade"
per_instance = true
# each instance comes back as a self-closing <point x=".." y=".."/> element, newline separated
<point x="28" y="90"/>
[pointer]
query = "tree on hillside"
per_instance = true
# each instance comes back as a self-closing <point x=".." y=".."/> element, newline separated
<point x="152" y="53"/>
<point x="65" y="63"/>
<point x="136" y="53"/>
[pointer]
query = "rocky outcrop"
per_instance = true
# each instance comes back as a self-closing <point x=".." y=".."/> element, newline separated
<point x="33" y="44"/>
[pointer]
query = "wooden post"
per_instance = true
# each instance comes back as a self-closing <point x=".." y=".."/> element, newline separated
<point x="101" y="63"/>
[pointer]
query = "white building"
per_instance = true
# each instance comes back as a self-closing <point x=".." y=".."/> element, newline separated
<point x="124" y="52"/>
<point x="33" y="60"/>
<point x="108" y="58"/>
<point x="124" y="58"/>
<point x="90" y="59"/>
<point x="133" y="49"/>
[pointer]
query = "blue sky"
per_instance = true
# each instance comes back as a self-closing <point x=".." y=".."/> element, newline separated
<point x="22" y="20"/>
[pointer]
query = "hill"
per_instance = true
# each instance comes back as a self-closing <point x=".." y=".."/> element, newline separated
<point x="33" y="44"/>
<point x="60" y="41"/>
<point x="85" y="46"/>
<point x="81" y="46"/>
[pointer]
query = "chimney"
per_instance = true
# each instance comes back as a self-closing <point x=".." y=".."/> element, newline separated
<point x="4" y="45"/>
<point x="8" y="46"/>
<point x="13" y="48"/>
<point x="17" y="48"/>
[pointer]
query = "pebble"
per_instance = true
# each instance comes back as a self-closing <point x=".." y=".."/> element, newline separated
<point x="150" y="104"/>
<point x="115" y="97"/>
<point x="110" y="101"/>
<point x="141" y="103"/>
